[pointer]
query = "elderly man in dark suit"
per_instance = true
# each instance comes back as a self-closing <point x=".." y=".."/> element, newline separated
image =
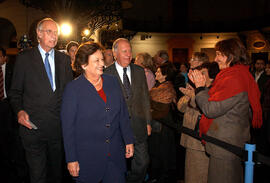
<point x="134" y="87"/>
<point x="40" y="75"/>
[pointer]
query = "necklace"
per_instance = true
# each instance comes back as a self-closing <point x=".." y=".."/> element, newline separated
<point x="95" y="84"/>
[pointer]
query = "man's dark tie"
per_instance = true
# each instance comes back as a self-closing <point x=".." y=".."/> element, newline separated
<point x="126" y="83"/>
<point x="48" y="69"/>
<point x="1" y="84"/>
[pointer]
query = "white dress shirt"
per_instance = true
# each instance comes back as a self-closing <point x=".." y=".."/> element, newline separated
<point x="258" y="75"/>
<point x="4" y="79"/>
<point x="120" y="71"/>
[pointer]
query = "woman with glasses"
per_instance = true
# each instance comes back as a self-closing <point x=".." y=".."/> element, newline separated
<point x="196" y="161"/>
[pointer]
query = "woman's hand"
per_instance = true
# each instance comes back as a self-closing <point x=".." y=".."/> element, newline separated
<point x="197" y="78"/>
<point x="129" y="150"/>
<point x="188" y="91"/>
<point x="73" y="168"/>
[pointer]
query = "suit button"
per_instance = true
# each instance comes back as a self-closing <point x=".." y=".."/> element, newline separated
<point x="107" y="109"/>
<point x="107" y="141"/>
<point x="108" y="125"/>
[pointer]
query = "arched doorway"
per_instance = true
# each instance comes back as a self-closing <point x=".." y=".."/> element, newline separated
<point x="7" y="33"/>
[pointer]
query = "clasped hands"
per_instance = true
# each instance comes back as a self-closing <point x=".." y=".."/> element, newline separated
<point x="197" y="78"/>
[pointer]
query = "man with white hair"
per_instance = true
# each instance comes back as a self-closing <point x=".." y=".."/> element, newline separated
<point x="40" y="75"/>
<point x="135" y="90"/>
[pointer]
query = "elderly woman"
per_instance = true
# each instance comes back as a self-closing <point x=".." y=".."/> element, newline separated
<point x="162" y="139"/>
<point x="196" y="160"/>
<point x="95" y="122"/>
<point x="226" y="109"/>
<point x="145" y="60"/>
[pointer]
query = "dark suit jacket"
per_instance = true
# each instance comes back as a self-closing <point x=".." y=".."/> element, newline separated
<point x="139" y="103"/>
<point x="95" y="132"/>
<point x="9" y="72"/>
<point x="31" y="91"/>
<point x="261" y="81"/>
<point x="6" y="122"/>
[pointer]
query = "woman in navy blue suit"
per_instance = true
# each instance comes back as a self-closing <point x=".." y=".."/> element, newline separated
<point x="95" y="122"/>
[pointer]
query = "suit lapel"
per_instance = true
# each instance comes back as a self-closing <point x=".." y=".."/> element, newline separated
<point x="115" y="73"/>
<point x="57" y="69"/>
<point x="133" y="77"/>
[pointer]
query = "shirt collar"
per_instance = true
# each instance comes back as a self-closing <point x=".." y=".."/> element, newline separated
<point x="43" y="52"/>
<point x="119" y="67"/>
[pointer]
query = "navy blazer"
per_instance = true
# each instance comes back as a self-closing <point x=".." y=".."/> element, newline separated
<point x="95" y="132"/>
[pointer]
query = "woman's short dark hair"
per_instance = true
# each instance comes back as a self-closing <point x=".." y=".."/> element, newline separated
<point x="234" y="50"/>
<point x="70" y="44"/>
<point x="212" y="67"/>
<point x="167" y="69"/>
<point x="83" y="53"/>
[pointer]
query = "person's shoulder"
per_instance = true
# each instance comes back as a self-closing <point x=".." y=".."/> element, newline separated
<point x="76" y="82"/>
<point x="110" y="68"/>
<point x="136" y="67"/>
<point x="75" y="86"/>
<point x="109" y="77"/>
<point x="61" y="54"/>
<point x="27" y="52"/>
<point x="26" y="56"/>
<point x="264" y="75"/>
<point x="138" y="70"/>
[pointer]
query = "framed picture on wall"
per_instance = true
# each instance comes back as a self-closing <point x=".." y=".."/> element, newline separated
<point x="211" y="52"/>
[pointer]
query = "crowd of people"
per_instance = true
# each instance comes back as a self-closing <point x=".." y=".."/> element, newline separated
<point x="110" y="117"/>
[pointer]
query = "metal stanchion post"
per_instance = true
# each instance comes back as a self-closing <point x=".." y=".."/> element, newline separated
<point x="249" y="164"/>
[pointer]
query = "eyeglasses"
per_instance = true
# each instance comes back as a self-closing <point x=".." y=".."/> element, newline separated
<point x="50" y="32"/>
<point x="193" y="60"/>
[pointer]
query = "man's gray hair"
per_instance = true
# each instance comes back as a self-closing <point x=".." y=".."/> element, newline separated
<point x="115" y="43"/>
<point x="40" y="23"/>
<point x="163" y="54"/>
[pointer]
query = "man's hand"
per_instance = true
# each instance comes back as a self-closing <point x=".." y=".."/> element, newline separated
<point x="149" y="130"/>
<point x="129" y="150"/>
<point x="73" y="168"/>
<point x="23" y="119"/>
